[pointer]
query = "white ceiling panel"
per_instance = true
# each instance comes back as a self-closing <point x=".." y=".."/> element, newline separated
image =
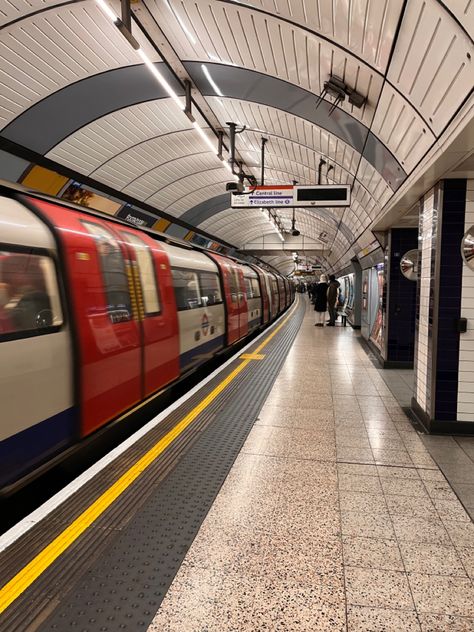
<point x="432" y="65"/>
<point x="398" y="125"/>
<point x="13" y="10"/>
<point x="364" y="27"/>
<point x="463" y="10"/>
<point x="43" y="53"/>
<point x="159" y="179"/>
<point x="188" y="192"/>
<point x="90" y="147"/>
<point x="213" y="31"/>
<point x="133" y="164"/>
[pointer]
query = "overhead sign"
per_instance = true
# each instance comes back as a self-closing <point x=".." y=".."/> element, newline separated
<point x="289" y="196"/>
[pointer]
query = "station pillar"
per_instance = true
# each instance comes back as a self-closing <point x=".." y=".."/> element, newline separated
<point x="401" y="294"/>
<point x="444" y="354"/>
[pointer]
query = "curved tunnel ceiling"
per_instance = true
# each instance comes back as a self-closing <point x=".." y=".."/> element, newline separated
<point x="75" y="91"/>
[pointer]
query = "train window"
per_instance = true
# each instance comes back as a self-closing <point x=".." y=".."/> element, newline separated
<point x="248" y="287"/>
<point x="186" y="289"/>
<point x="29" y="295"/>
<point x="146" y="271"/>
<point x="210" y="288"/>
<point x="255" y="288"/>
<point x="114" y="275"/>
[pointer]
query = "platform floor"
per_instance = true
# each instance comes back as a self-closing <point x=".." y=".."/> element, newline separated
<point x="333" y="517"/>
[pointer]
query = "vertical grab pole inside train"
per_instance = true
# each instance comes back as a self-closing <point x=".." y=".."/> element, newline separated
<point x="262" y="171"/>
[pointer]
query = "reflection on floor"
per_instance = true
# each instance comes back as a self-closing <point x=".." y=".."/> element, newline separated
<point x="334" y="516"/>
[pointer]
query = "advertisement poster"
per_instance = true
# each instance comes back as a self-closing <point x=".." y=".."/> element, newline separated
<point x="376" y="335"/>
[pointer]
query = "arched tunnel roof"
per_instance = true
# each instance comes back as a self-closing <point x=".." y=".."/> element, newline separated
<point x="75" y="91"/>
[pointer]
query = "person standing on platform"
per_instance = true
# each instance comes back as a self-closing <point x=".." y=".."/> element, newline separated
<point x="320" y="300"/>
<point x="333" y="291"/>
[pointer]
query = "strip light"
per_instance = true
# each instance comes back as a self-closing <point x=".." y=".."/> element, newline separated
<point x="164" y="83"/>
<point x="159" y="77"/>
<point x="211" y="80"/>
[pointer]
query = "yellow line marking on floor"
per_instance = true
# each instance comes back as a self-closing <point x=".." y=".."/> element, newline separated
<point x="252" y="356"/>
<point x="34" y="569"/>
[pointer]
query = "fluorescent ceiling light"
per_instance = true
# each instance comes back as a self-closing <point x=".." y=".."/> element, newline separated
<point x="213" y="84"/>
<point x="107" y="10"/>
<point x="161" y="80"/>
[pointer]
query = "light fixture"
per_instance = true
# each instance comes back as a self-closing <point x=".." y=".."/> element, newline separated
<point x="159" y="77"/>
<point x="338" y="90"/>
<point x="105" y="7"/>
<point x="213" y="84"/>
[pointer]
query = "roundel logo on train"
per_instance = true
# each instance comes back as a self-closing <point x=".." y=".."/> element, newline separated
<point x="205" y="325"/>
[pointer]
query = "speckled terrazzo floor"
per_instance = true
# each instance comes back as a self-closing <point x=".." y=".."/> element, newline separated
<point x="334" y="516"/>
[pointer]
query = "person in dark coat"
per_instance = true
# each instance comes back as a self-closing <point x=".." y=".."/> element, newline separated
<point x="333" y="291"/>
<point x="320" y="300"/>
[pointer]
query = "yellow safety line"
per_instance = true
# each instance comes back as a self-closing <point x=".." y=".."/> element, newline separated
<point x="252" y="356"/>
<point x="30" y="573"/>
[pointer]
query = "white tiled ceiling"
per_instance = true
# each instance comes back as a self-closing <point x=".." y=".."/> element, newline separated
<point x="151" y="151"/>
<point x="43" y="53"/>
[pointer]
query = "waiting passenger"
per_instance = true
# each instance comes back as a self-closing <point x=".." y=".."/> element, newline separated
<point x="320" y="300"/>
<point x="333" y="291"/>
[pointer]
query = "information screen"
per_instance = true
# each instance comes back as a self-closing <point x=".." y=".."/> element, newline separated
<point x="321" y="194"/>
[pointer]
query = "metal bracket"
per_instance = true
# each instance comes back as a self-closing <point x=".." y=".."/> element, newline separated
<point x="124" y="24"/>
<point x="188" y="101"/>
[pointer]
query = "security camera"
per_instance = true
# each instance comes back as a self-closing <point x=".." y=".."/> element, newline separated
<point x="295" y="232"/>
<point x="235" y="187"/>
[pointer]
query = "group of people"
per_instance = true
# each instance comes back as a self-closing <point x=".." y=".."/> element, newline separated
<point x="325" y="295"/>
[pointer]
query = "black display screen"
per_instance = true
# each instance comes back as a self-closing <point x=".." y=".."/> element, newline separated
<point x="322" y="194"/>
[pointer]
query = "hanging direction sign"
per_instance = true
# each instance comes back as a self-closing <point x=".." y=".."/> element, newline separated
<point x="289" y="196"/>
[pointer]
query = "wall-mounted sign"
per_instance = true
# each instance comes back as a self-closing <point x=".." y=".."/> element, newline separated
<point x="136" y="217"/>
<point x="289" y="196"/>
<point x="467" y="248"/>
<point x="409" y="265"/>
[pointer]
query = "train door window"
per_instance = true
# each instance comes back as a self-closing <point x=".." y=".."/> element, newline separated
<point x="248" y="287"/>
<point x="29" y="294"/>
<point x="114" y="275"/>
<point x="146" y="270"/>
<point x="210" y="288"/>
<point x="234" y="285"/>
<point x="186" y="288"/>
<point x="255" y="287"/>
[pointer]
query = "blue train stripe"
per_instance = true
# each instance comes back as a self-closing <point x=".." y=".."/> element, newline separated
<point x="200" y="354"/>
<point x="22" y="452"/>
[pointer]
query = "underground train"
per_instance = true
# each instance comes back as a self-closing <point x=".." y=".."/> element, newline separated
<point x="97" y="317"/>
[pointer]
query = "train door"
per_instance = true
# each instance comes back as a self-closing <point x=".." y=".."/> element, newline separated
<point x="232" y="290"/>
<point x="264" y="295"/>
<point x="242" y="300"/>
<point x="281" y="292"/>
<point x="108" y="336"/>
<point x="156" y="310"/>
<point x="274" y="301"/>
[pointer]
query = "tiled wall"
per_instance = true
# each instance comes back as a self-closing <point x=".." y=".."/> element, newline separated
<point x="402" y="299"/>
<point x="427" y="234"/>
<point x="465" y="396"/>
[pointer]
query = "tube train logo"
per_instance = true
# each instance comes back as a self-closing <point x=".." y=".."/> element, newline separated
<point x="205" y="325"/>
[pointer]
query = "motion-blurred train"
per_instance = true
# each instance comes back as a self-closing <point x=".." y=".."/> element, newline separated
<point x="97" y="317"/>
